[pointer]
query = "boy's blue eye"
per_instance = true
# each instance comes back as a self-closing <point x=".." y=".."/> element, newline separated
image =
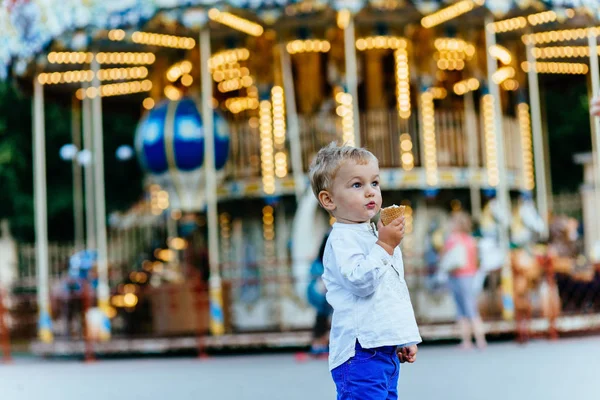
<point x="375" y="183"/>
<point x="356" y="185"/>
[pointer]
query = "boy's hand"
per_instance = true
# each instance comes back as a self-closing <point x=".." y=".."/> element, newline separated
<point x="408" y="354"/>
<point x="391" y="235"/>
<point x="595" y="107"/>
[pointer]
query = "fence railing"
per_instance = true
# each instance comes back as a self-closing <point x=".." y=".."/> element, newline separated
<point x="380" y="133"/>
<point x="267" y="297"/>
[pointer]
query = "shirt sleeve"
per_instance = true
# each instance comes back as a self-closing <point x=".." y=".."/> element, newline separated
<point x="360" y="272"/>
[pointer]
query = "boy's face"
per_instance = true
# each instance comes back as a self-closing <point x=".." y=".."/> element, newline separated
<point x="355" y="196"/>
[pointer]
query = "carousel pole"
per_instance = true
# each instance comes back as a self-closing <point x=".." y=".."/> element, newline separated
<point x="538" y="140"/>
<point x="217" y="323"/>
<point x="77" y="178"/>
<point x="595" y="77"/>
<point x="41" y="214"/>
<point x="471" y="130"/>
<point x="90" y="204"/>
<point x="502" y="187"/>
<point x="100" y="198"/>
<point x="292" y="123"/>
<point x="351" y="70"/>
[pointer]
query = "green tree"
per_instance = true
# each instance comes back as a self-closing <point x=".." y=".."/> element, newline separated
<point x="123" y="180"/>
<point x="568" y="124"/>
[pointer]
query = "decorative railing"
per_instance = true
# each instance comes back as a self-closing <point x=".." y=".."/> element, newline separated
<point x="380" y="133"/>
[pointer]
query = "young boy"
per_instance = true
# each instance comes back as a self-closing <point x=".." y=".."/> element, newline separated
<point x="373" y="327"/>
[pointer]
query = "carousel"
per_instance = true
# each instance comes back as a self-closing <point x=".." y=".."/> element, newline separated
<point x="444" y="93"/>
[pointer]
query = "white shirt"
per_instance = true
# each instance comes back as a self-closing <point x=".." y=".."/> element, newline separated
<point x="368" y="293"/>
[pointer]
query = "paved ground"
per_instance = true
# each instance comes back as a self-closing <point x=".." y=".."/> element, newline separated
<point x="565" y="370"/>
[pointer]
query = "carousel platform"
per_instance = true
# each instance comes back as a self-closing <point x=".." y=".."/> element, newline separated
<point x="274" y="340"/>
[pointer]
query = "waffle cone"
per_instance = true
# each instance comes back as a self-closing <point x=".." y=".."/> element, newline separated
<point x="389" y="214"/>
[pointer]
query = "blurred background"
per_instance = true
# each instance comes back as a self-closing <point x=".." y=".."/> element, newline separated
<point x="154" y="196"/>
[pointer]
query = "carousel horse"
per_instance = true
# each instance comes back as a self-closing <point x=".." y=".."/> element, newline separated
<point x="491" y="254"/>
<point x="577" y="281"/>
<point x="526" y="226"/>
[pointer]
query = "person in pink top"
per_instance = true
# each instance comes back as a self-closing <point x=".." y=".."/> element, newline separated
<point x="595" y="106"/>
<point x="461" y="282"/>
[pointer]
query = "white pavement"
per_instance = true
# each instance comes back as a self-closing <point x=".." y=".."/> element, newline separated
<point x="564" y="370"/>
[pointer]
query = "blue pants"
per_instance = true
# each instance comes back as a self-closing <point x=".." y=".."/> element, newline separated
<point x="372" y="374"/>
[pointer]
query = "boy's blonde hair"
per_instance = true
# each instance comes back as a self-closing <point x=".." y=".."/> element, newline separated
<point x="329" y="160"/>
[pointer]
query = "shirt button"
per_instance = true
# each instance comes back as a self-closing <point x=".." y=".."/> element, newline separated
<point x="385" y="262"/>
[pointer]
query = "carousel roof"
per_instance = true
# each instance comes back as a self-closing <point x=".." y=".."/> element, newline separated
<point x="27" y="27"/>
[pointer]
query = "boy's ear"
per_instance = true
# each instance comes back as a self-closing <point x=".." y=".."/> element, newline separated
<point x="326" y="200"/>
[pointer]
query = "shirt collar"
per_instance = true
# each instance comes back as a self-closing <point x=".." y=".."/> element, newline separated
<point x="363" y="227"/>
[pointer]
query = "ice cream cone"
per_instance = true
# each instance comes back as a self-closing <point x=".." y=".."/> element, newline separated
<point x="390" y="213"/>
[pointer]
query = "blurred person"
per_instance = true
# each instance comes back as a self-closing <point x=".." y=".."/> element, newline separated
<point x="461" y="281"/>
<point x="373" y="328"/>
<point x="595" y="106"/>
<point x="316" y="292"/>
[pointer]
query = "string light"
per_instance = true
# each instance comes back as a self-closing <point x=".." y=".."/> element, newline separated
<point x="381" y="42"/>
<point x="230" y="73"/>
<point x="453" y="44"/>
<point x="269" y="234"/>
<point x="547" y="16"/>
<point x="402" y="83"/>
<point x="235" y="22"/>
<point x="343" y="18"/>
<point x="526" y="145"/>
<point x="490" y="140"/>
<point x="235" y="84"/>
<point x="561" y="52"/>
<point x="116" y="35"/>
<point x="53" y="78"/>
<point x="172" y="93"/>
<point x="115" y="89"/>
<point x="451" y="53"/>
<point x="225" y="231"/>
<point x="266" y="147"/>
<point x="438" y="93"/>
<point x="465" y="86"/>
<point x="114" y="74"/>
<point x="557" y="68"/>
<point x="450" y="12"/>
<point x="111" y="74"/>
<point x="451" y="65"/>
<point x="228" y="57"/>
<point x="345" y="110"/>
<point x="429" y="139"/>
<point x="279" y="131"/>
<point x="559" y="36"/>
<point x="308" y="46"/>
<point x="103" y="58"/>
<point x="408" y="219"/>
<point x="238" y="104"/>
<point x="501" y="53"/>
<point x="70" y="57"/>
<point x="187" y="80"/>
<point x="148" y="103"/>
<point x="154" y="199"/>
<point x="513" y="24"/>
<point x="508" y="25"/>
<point x="503" y="74"/>
<point x="510" y="85"/>
<point x="126" y="58"/>
<point x="178" y="69"/>
<point x="159" y="39"/>
<point x="406" y="152"/>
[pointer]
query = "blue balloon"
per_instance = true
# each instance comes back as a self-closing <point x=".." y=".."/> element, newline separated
<point x="172" y="136"/>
